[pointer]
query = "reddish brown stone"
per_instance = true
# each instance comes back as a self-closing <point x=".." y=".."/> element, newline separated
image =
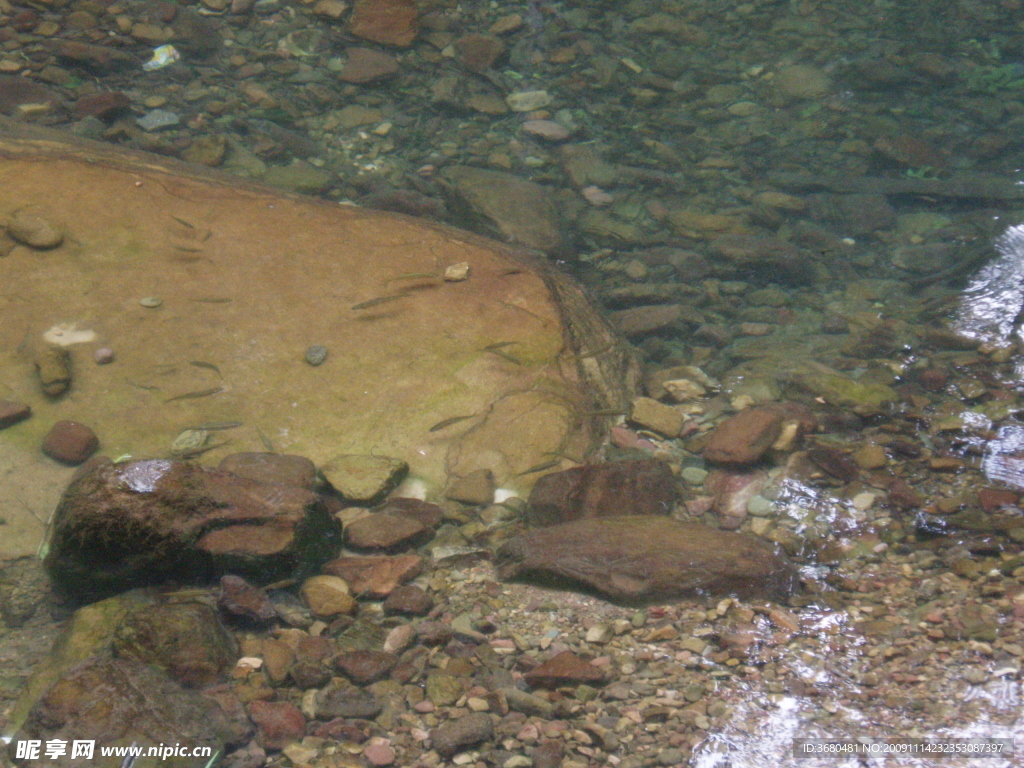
<point x="745" y="437"/>
<point x="382" y="531"/>
<point x="732" y="490"/>
<point x="992" y="499"/>
<point x="70" y="442"/>
<point x="15" y="91"/>
<point x="278" y="723"/>
<point x="430" y="515"/>
<point x="365" y="667"/>
<point x="434" y="632"/>
<point x="643" y="487"/>
<point x="410" y="600"/>
<point x="837" y="463"/>
<point x="375" y="576"/>
<point x="364" y="65"/>
<point x="631" y="559"/>
<point x="566" y="668"/>
<point x="391" y="22"/>
<point x="478" y="52"/>
<point x="903" y="496"/>
<point x="274" y="468"/>
<point x="241" y="599"/>
<point x="102" y="105"/>
<point x="933" y="379"/>
<point x="12" y="412"/>
<point x="97" y="56"/>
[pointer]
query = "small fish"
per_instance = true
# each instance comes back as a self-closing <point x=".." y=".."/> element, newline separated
<point x="266" y="441"/>
<point x="186" y="248"/>
<point x="182" y="222"/>
<point x="505" y="356"/>
<point x="218" y="425"/>
<point x="560" y="455"/>
<point x="499" y="345"/>
<point x="448" y="422"/>
<point x="378" y="300"/>
<point x="142" y="386"/>
<point x="213" y="300"/>
<point x="539" y="467"/>
<point x="416" y="276"/>
<point x="195" y="395"/>
<point x="208" y="366"/>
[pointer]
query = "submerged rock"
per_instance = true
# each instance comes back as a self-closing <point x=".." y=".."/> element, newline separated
<point x="643" y="487"/>
<point x="140" y="522"/>
<point x="646" y="559"/>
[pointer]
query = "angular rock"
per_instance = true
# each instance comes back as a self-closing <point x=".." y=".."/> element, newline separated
<point x="240" y="599"/>
<point x="505" y="206"/>
<point x="327" y="596"/>
<point x="186" y="640"/>
<point x="391" y="22"/>
<point x="475" y="488"/>
<point x="274" y="468"/>
<point x="641" y="559"/>
<point x="661" y="418"/>
<point x="409" y="600"/>
<point x="382" y="531"/>
<point x="140" y="522"/>
<point x="365" y="667"/>
<point x="428" y="514"/>
<point x="466" y="731"/>
<point x="637" y="322"/>
<point x="478" y="52"/>
<point x="365" y="65"/>
<point x="641" y="487"/>
<point x="12" y="412"/>
<point x="375" y="576"/>
<point x="364" y="479"/>
<point x="745" y="437"/>
<point x="565" y="668"/>
<point x="345" y="700"/>
<point x="278" y="723"/>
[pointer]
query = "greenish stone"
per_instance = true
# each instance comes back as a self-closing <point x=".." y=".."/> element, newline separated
<point x="845" y="392"/>
<point x="585" y="693"/>
<point x="442" y="689"/>
<point x="363" y="478"/>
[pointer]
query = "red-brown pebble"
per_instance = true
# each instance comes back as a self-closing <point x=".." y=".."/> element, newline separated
<point x="70" y="442"/>
<point x="12" y="412"/>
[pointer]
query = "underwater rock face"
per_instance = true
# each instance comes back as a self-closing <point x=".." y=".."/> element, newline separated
<point x="646" y="559"/>
<point x="120" y="701"/>
<point x="139" y="522"/>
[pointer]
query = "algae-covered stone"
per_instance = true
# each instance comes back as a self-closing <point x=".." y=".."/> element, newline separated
<point x="185" y="640"/>
<point x="863" y="398"/>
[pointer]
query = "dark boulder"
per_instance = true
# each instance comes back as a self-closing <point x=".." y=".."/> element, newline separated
<point x="134" y="523"/>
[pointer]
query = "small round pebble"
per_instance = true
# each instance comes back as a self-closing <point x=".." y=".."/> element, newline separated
<point x="103" y="356"/>
<point x="151" y="302"/>
<point x="316" y="354"/>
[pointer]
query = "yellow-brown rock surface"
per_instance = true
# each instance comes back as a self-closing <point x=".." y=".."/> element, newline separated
<point x="250" y="278"/>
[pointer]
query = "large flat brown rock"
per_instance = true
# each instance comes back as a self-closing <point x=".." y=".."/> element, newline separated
<point x="249" y="278"/>
<point x="647" y="559"/>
